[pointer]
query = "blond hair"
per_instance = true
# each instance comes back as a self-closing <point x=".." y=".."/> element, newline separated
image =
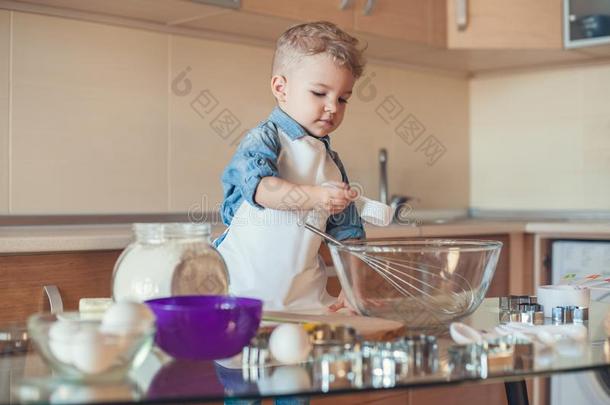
<point x="318" y="37"/>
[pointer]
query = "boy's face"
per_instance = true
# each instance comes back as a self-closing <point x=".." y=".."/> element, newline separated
<point x="315" y="93"/>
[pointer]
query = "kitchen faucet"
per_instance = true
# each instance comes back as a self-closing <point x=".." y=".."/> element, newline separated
<point x="398" y="202"/>
<point x="383" y="176"/>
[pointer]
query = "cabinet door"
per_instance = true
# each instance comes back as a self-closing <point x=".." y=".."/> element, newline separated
<point x="501" y="24"/>
<point x="303" y="10"/>
<point x="76" y="274"/>
<point x="410" y="20"/>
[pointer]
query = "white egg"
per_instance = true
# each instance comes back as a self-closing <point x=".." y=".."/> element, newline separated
<point x="80" y="394"/>
<point x="61" y="350"/>
<point x="289" y="344"/>
<point x="91" y="352"/>
<point x="61" y="334"/>
<point x="125" y="317"/>
<point x="63" y="330"/>
<point x="285" y="379"/>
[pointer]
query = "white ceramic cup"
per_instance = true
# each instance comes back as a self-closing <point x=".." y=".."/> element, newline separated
<point x="551" y="296"/>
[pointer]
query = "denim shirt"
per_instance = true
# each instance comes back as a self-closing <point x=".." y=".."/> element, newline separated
<point x="256" y="158"/>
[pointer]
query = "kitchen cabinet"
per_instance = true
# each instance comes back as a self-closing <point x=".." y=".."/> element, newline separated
<point x="453" y="24"/>
<point x="76" y="274"/>
<point x="416" y="21"/>
<point x="303" y="10"/>
<point x="495" y="35"/>
<point x="500" y="24"/>
<point x="467" y="24"/>
<point x="586" y="22"/>
<point x="411" y="20"/>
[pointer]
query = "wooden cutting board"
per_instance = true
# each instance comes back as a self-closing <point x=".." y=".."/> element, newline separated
<point x="368" y="327"/>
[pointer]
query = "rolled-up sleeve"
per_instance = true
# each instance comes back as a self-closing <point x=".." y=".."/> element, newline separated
<point x="255" y="158"/>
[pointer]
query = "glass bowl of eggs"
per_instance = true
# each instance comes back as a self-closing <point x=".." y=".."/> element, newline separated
<point x="83" y="347"/>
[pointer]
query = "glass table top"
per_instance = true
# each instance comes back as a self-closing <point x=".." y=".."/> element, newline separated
<point x="373" y="366"/>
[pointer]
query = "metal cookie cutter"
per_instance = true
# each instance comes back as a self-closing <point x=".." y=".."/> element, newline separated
<point x="337" y="356"/>
<point x="532" y="314"/>
<point x="512" y="302"/>
<point x="384" y="363"/>
<point x="570" y="314"/>
<point x="523" y="352"/>
<point x="557" y="314"/>
<point x="500" y="354"/>
<point x="340" y="369"/>
<point x="509" y="316"/>
<point x="468" y="360"/>
<point x="581" y="314"/>
<point x="521" y="308"/>
<point x="257" y="354"/>
<point x="425" y="353"/>
<point x="333" y="339"/>
<point x="325" y="334"/>
<point x="13" y="339"/>
<point x="421" y="354"/>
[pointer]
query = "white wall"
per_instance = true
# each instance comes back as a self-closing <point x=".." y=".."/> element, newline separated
<point x="97" y="126"/>
<point x="541" y="140"/>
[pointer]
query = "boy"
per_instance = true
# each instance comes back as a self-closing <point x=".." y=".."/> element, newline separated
<point x="284" y="172"/>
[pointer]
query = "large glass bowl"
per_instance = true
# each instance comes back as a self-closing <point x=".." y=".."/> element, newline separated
<point x="426" y="284"/>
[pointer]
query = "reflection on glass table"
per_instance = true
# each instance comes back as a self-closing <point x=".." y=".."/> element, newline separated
<point x="410" y="362"/>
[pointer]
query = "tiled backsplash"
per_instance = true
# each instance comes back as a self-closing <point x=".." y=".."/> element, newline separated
<point x="102" y="121"/>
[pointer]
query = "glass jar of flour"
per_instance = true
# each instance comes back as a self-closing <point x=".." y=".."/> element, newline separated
<point x="167" y="260"/>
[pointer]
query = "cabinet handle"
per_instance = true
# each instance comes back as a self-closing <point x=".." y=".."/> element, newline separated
<point x="461" y="14"/>
<point x="56" y="304"/>
<point x="344" y="4"/>
<point x="368" y="7"/>
<point x="234" y="4"/>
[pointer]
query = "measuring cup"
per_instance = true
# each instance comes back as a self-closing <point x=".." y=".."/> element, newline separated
<point x="375" y="212"/>
<point x="371" y="211"/>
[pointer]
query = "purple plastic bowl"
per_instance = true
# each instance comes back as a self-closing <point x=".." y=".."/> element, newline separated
<point x="205" y="327"/>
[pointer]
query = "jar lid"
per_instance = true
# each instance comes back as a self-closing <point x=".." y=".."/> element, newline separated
<point x="159" y="232"/>
<point x="187" y="229"/>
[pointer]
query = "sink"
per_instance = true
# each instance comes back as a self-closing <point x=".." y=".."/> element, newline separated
<point x="430" y="221"/>
<point x="439" y="221"/>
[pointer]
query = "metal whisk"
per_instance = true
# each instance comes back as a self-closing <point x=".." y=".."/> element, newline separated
<point x="415" y="280"/>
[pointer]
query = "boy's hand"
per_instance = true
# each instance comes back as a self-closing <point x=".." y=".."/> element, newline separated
<point x="334" y="196"/>
<point x="342" y="302"/>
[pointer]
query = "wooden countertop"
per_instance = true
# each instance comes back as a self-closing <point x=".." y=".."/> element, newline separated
<point x="55" y="238"/>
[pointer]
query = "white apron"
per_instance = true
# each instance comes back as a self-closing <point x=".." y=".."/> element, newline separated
<point x="268" y="254"/>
